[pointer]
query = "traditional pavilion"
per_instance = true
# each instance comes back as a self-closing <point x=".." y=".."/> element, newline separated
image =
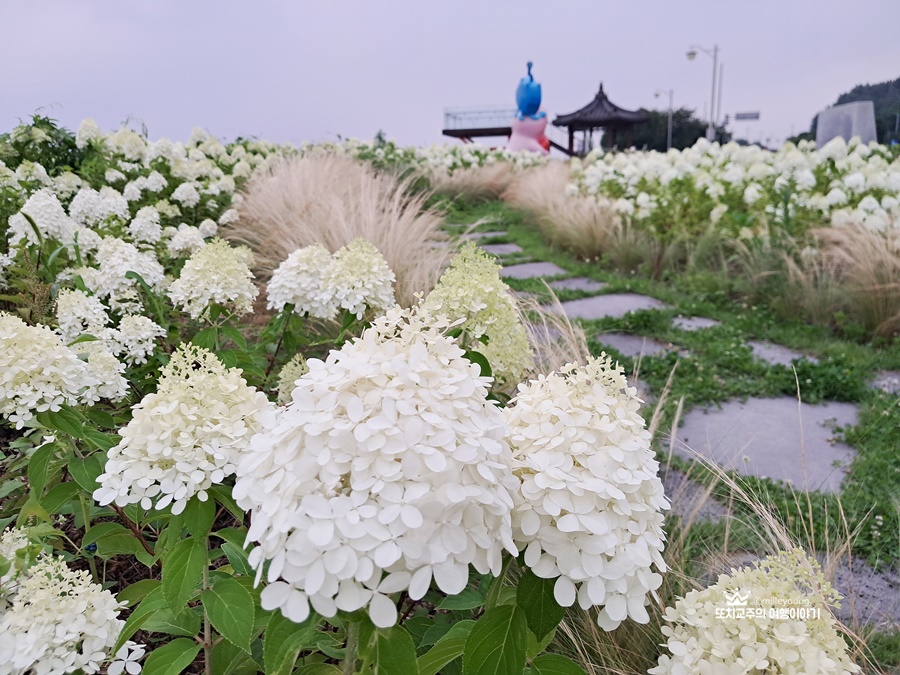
<point x="601" y="113"/>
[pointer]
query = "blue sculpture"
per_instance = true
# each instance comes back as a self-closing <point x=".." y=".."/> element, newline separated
<point x="528" y="97"/>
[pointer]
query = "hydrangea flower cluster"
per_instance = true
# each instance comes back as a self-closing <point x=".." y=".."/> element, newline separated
<point x="38" y="372"/>
<point x="471" y="288"/>
<point x="91" y="208"/>
<point x="218" y="273"/>
<point x="591" y="500"/>
<point x="49" y="217"/>
<point x="78" y="313"/>
<point x="389" y="469"/>
<point x="292" y="371"/>
<point x="105" y="368"/>
<point x="59" y="621"/>
<point x="115" y="258"/>
<point x="185" y="437"/>
<point x="355" y="278"/>
<point x="135" y="338"/>
<point x="703" y="638"/>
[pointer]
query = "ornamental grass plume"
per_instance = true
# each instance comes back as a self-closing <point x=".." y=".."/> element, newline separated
<point x="184" y="438"/>
<point x="756" y="636"/>
<point x="591" y="502"/>
<point x="471" y="289"/>
<point x="389" y="468"/>
<point x="38" y="372"/>
<point x="331" y="200"/>
<point x="59" y="621"/>
<point x="216" y="273"/>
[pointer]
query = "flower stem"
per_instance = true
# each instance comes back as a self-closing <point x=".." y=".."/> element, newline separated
<point x="351" y="649"/>
<point x="86" y="515"/>
<point x="207" y="632"/>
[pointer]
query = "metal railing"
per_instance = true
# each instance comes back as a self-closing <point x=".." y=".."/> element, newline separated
<point x="478" y="118"/>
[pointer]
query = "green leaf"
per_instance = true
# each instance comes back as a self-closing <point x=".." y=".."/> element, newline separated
<point x="237" y="558"/>
<point x="39" y="468"/>
<point x="183" y="571"/>
<point x="101" y="418"/>
<point x="102" y="530"/>
<point x="536" y="599"/>
<point x="226" y="659"/>
<point x="137" y="591"/>
<point x="186" y="622"/>
<point x="535" y="646"/>
<point x="198" y="516"/>
<point x="318" y="669"/>
<point x="154" y="602"/>
<point x="496" y="645"/>
<point x="445" y="651"/>
<point x="469" y="598"/>
<point x="206" y="338"/>
<point x="59" y="495"/>
<point x="85" y="471"/>
<point x="10" y="486"/>
<point x="222" y="495"/>
<point x="481" y="360"/>
<point x="283" y="641"/>
<point x="394" y="652"/>
<point x="171" y="658"/>
<point x="64" y="420"/>
<point x="100" y="440"/>
<point x="230" y="610"/>
<point x="555" y="664"/>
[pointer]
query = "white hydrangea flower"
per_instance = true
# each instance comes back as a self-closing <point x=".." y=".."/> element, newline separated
<point x="289" y="374"/>
<point x="229" y="216"/>
<point x="218" y="272"/>
<point x="128" y="143"/>
<point x="88" y="131"/>
<point x="298" y="281"/>
<point x="132" y="191"/>
<point x="113" y="176"/>
<point x="703" y="638"/>
<point x="135" y="338"/>
<point x="88" y="240"/>
<point x="389" y="469"/>
<point x="167" y="209"/>
<point x="591" y="500"/>
<point x="49" y="217"/>
<point x="105" y="368"/>
<point x="155" y="182"/>
<point x="66" y="184"/>
<point x="186" y="240"/>
<point x="5" y="261"/>
<point x="59" y="622"/>
<point x="28" y="172"/>
<point x="37" y="371"/>
<point x="115" y="259"/>
<point x="145" y="227"/>
<point x="77" y="313"/>
<point x="208" y="228"/>
<point x="187" y="195"/>
<point x="358" y="277"/>
<point x="184" y="438"/>
<point x="471" y="288"/>
<point x="12" y="540"/>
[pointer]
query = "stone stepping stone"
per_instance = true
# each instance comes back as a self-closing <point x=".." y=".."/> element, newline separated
<point x="482" y="235"/>
<point x="773" y="438"/>
<point x="691" y="500"/>
<point x="614" y="305"/>
<point x="777" y="355"/>
<point x="531" y="270"/>
<point x="694" y="323"/>
<point x="501" y="249"/>
<point x="579" y="284"/>
<point x="887" y="381"/>
<point x="632" y="345"/>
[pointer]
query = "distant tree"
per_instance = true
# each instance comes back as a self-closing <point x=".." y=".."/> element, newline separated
<point x="885" y="96"/>
<point x="686" y="130"/>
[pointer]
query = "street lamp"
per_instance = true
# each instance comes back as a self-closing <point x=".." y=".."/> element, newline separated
<point x="714" y="53"/>
<point x="671" y="93"/>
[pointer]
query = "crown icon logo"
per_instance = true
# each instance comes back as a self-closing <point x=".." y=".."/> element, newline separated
<point x="737" y="598"/>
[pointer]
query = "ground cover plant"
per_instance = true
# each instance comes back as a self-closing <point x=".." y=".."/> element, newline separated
<point x="228" y="451"/>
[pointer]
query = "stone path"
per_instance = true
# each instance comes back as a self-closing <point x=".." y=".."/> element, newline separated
<point x="691" y="501"/>
<point x="532" y="270"/>
<point x="501" y="249"/>
<point x="613" y="305"/>
<point x="483" y="235"/>
<point x="579" y="284"/>
<point x="633" y="345"/>
<point x="887" y="381"/>
<point x="774" y="354"/>
<point x="694" y="323"/>
<point x="770" y="437"/>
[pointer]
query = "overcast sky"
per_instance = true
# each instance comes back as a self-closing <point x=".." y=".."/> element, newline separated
<point x="297" y="70"/>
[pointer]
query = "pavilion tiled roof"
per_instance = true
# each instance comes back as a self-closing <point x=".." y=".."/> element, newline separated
<point x="601" y="112"/>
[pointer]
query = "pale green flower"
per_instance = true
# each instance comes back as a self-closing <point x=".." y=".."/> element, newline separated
<point x="290" y="373"/>
<point x="471" y="288"/>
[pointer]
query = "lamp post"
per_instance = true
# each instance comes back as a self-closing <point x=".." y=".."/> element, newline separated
<point x="713" y="115"/>
<point x="671" y="93"/>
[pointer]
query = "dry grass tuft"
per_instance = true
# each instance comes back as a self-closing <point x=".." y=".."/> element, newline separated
<point x="477" y="183"/>
<point x="555" y="339"/>
<point x="332" y="200"/>
<point x="868" y="265"/>
<point x="582" y="225"/>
